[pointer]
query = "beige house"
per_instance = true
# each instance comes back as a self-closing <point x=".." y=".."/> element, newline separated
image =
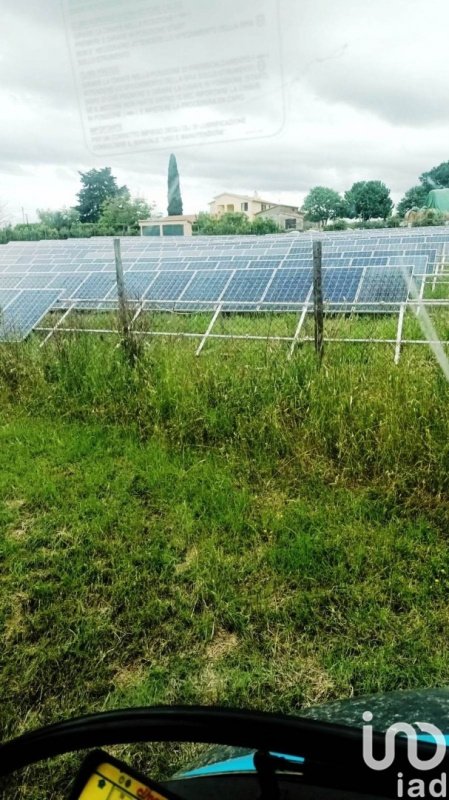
<point x="241" y="203"/>
<point x="257" y="207"/>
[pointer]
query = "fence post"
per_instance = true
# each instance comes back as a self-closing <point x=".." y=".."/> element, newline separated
<point x="318" y="309"/>
<point x="124" y="321"/>
<point x="397" y="351"/>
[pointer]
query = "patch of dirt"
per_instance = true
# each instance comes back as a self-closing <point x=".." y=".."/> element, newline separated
<point x="190" y="557"/>
<point x="20" y="532"/>
<point x="13" y="505"/>
<point x="15" y="621"/>
<point x="129" y="676"/>
<point x="221" y="645"/>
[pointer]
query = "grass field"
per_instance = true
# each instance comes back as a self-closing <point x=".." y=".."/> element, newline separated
<point x="236" y="529"/>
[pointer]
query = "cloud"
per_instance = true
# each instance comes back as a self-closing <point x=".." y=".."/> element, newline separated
<point x="365" y="97"/>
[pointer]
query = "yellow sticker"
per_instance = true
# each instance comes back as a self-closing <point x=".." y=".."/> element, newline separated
<point x="108" y="782"/>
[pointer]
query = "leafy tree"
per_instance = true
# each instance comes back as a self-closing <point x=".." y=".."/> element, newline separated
<point x="229" y="223"/>
<point x="174" y="189"/>
<point x="369" y="200"/>
<point x="98" y="185"/>
<point x="323" y="204"/>
<point x="261" y="226"/>
<point x="414" y="198"/>
<point x="63" y="218"/>
<point x="436" y="178"/>
<point x="121" y="214"/>
<point x="233" y="222"/>
<point x="337" y="225"/>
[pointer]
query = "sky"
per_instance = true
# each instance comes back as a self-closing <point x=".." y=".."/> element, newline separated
<point x="350" y="91"/>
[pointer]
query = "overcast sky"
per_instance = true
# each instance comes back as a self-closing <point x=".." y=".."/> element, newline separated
<point x="364" y="84"/>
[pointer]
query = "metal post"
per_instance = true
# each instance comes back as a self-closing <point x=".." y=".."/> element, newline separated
<point x="58" y="325"/>
<point x="123" y="313"/>
<point x="297" y="332"/>
<point x="318" y="309"/>
<point x="397" y="352"/>
<point x="129" y="342"/>
<point x="210" y="326"/>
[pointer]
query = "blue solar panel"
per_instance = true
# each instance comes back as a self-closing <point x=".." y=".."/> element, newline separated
<point x="289" y="285"/>
<point x="206" y="287"/>
<point x="341" y="284"/>
<point x="6" y="295"/>
<point x="85" y="270"/>
<point x="247" y="285"/>
<point x="66" y="283"/>
<point x="268" y="263"/>
<point x="203" y="264"/>
<point x="40" y="280"/>
<point x="372" y="261"/>
<point x="168" y="286"/>
<point x="176" y="264"/>
<point x="297" y="263"/>
<point x="10" y="281"/>
<point x="137" y="284"/>
<point x="420" y="263"/>
<point x="383" y="286"/>
<point x="95" y="287"/>
<point x="22" y="314"/>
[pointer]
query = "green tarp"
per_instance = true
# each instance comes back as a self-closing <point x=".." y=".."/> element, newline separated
<point x="439" y="200"/>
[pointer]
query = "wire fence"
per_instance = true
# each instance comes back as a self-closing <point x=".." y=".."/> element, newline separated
<point x="421" y="319"/>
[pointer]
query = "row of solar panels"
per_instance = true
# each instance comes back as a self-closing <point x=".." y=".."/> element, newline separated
<point x="22" y="309"/>
<point x="31" y="256"/>
<point x="61" y="278"/>
<point x="394" y="256"/>
<point x="273" y="271"/>
<point x="369" y="285"/>
<point x="266" y="242"/>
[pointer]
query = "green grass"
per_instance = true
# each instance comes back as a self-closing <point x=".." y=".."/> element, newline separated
<point x="234" y="529"/>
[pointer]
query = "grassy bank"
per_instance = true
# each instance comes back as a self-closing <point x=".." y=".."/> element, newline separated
<point x="236" y="529"/>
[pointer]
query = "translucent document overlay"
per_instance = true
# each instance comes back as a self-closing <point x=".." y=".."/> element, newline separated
<point x="157" y="73"/>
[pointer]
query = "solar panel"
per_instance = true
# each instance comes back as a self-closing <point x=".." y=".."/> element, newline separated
<point x="204" y="270"/>
<point x="204" y="264"/>
<point x="383" y="286"/>
<point x="24" y="312"/>
<point x="340" y="284"/>
<point x="10" y="281"/>
<point x="40" y="280"/>
<point x="247" y="285"/>
<point x="6" y="295"/>
<point x="137" y="284"/>
<point x="95" y="287"/>
<point x="168" y="286"/>
<point x="206" y="287"/>
<point x="289" y="285"/>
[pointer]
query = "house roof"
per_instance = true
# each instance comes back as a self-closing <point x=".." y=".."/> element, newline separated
<point x="174" y="218"/>
<point x="246" y="197"/>
<point x="287" y="209"/>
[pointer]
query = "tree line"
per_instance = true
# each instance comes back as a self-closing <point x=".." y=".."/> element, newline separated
<point x="369" y="200"/>
<point x="106" y="209"/>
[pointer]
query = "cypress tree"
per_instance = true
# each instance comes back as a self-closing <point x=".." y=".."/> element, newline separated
<point x="174" y="189"/>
